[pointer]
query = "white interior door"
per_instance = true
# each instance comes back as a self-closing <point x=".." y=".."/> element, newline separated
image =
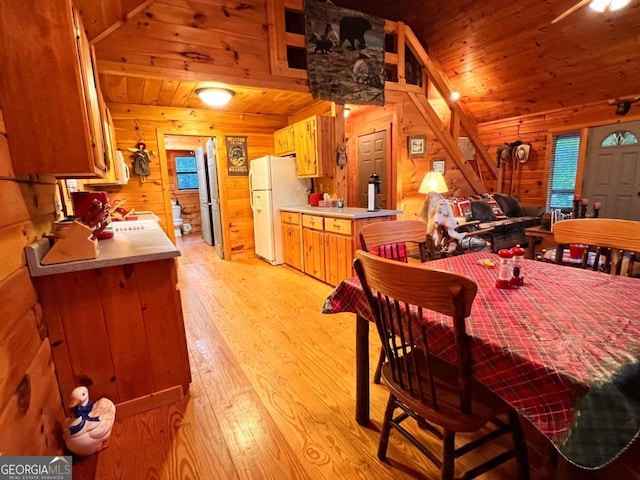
<point x="612" y="170"/>
<point x="203" y="194"/>
<point x="216" y="219"/>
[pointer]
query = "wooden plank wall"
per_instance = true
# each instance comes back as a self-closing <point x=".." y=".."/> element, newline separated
<point x="31" y="411"/>
<point x="140" y="122"/>
<point x="529" y="179"/>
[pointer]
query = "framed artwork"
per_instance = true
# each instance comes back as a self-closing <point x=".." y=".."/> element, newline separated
<point x="438" y="166"/>
<point x="417" y="146"/>
<point x="237" y="162"/>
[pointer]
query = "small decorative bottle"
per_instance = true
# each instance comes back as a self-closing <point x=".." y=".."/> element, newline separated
<point x="505" y="269"/>
<point x="518" y="273"/>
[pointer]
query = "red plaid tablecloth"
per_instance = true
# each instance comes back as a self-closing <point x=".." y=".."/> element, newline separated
<point x="564" y="350"/>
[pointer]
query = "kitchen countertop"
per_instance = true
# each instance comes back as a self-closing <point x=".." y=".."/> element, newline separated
<point x="346" y="212"/>
<point x="134" y="242"/>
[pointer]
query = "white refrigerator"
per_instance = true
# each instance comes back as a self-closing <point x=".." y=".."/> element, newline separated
<point x="273" y="184"/>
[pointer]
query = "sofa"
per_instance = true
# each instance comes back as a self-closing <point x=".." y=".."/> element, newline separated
<point x="504" y="214"/>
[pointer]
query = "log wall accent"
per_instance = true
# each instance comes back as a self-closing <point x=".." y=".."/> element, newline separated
<point x="31" y="413"/>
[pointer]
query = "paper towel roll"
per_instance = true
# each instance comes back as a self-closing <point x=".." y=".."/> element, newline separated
<point x="371" y="198"/>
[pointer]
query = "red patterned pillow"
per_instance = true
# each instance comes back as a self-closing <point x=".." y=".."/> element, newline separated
<point x="495" y="208"/>
<point x="454" y="207"/>
<point x="464" y="207"/>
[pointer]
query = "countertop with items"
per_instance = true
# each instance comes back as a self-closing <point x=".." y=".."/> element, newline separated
<point x="133" y="242"/>
<point x="345" y="212"/>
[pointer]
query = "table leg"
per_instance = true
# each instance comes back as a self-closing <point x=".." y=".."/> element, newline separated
<point x="531" y="247"/>
<point x="362" y="370"/>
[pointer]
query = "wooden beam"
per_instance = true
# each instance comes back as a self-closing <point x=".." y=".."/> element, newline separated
<point x="444" y="88"/>
<point x="125" y="18"/>
<point x="447" y="141"/>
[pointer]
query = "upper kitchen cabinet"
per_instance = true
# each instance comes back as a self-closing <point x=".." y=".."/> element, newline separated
<point x="314" y="141"/>
<point x="284" y="141"/>
<point x="49" y="91"/>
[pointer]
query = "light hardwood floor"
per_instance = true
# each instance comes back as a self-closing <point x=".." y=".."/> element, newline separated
<point x="273" y="391"/>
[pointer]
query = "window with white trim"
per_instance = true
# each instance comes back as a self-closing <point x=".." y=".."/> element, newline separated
<point x="186" y="173"/>
<point x="562" y="170"/>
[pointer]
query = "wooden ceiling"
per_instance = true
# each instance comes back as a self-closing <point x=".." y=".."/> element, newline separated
<point x="504" y="56"/>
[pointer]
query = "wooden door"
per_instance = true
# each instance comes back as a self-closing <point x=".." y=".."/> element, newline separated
<point x="372" y="158"/>
<point x="612" y="170"/>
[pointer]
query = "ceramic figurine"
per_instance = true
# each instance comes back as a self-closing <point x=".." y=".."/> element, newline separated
<point x="90" y="428"/>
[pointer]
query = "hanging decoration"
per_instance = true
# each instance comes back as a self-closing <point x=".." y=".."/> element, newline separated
<point x="237" y="159"/>
<point x="345" y="54"/>
<point x="141" y="160"/>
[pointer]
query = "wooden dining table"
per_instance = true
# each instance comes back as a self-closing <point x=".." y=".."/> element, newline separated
<point x="563" y="350"/>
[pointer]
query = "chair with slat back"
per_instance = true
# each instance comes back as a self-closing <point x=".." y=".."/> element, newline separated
<point x="394" y="239"/>
<point x="443" y="397"/>
<point x="613" y="245"/>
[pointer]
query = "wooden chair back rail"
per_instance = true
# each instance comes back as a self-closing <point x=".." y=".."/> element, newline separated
<point x="394" y="232"/>
<point x="604" y="232"/>
<point x="612" y="241"/>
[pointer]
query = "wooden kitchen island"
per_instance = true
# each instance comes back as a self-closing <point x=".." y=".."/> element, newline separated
<point x="115" y="323"/>
<point x="322" y="241"/>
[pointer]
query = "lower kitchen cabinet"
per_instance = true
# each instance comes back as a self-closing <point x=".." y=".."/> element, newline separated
<point x="118" y="330"/>
<point x="292" y="239"/>
<point x="328" y="255"/>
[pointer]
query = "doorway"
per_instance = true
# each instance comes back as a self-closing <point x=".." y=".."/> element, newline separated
<point x="612" y="170"/>
<point x="372" y="158"/>
<point x="193" y="182"/>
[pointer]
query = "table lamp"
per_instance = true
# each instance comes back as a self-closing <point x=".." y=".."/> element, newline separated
<point x="433" y="182"/>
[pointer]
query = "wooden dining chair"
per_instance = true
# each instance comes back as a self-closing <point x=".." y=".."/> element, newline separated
<point x="612" y="245"/>
<point x="394" y="239"/>
<point x="443" y="397"/>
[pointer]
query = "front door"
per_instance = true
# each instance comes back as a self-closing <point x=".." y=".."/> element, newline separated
<point x="372" y="158"/>
<point x="216" y="219"/>
<point x="612" y="170"/>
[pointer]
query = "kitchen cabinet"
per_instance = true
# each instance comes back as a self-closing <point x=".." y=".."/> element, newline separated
<point x="314" y="141"/>
<point x="50" y="99"/>
<point x="328" y="247"/>
<point x="292" y="239"/>
<point x="115" y="323"/>
<point x="284" y="143"/>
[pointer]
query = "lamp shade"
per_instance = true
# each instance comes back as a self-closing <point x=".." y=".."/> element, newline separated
<point x="433" y="182"/>
<point x="214" y="96"/>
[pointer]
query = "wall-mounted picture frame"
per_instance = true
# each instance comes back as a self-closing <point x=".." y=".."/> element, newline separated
<point x="438" y="166"/>
<point x="417" y="146"/>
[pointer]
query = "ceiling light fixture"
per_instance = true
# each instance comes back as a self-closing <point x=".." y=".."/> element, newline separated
<point x="215" y="96"/>
<point x="613" y="5"/>
<point x="455" y="96"/>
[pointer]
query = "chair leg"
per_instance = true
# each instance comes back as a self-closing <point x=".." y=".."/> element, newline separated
<point x="448" y="455"/>
<point x="386" y="428"/>
<point x="378" y="373"/>
<point x="520" y="445"/>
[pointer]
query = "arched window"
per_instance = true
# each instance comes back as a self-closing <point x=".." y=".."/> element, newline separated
<point x="621" y="137"/>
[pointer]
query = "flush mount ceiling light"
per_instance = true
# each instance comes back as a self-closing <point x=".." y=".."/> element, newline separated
<point x="613" y="5"/>
<point x="215" y="96"/>
<point x="455" y="96"/>
<point x="346" y="111"/>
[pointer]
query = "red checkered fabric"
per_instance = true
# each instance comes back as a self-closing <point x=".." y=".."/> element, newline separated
<point x="563" y="350"/>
